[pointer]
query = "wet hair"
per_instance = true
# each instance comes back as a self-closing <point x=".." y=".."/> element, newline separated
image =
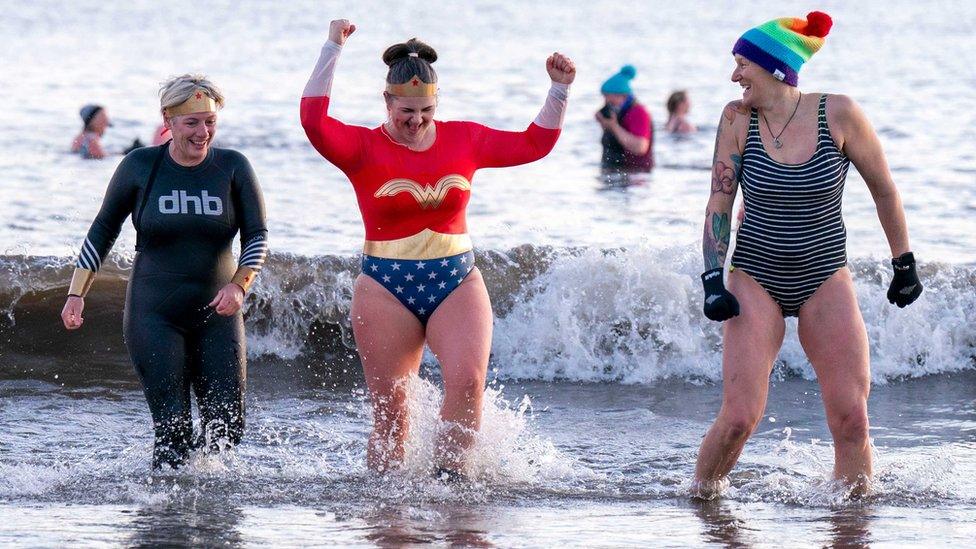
<point x="404" y="66"/>
<point x="178" y="89"/>
<point x="676" y="99"/>
<point x="88" y="114"/>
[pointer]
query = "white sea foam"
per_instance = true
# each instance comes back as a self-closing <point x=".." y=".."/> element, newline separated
<point x="635" y="316"/>
<point x="618" y="315"/>
<point x="628" y="314"/>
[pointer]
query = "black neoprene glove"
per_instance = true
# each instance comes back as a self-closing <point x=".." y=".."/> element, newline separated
<point x="905" y="286"/>
<point x="720" y="304"/>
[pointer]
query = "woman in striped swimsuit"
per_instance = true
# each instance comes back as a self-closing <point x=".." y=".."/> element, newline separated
<point x="790" y="152"/>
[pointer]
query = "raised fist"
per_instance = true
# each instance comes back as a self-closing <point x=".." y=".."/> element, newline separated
<point x="340" y="29"/>
<point x="561" y="68"/>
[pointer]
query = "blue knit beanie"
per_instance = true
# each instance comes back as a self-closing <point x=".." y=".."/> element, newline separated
<point x="620" y="82"/>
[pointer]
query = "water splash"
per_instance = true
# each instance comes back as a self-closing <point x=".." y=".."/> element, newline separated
<point x="506" y="452"/>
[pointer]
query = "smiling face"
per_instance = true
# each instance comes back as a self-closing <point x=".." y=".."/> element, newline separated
<point x="192" y="135"/>
<point x="410" y="117"/>
<point x="756" y="82"/>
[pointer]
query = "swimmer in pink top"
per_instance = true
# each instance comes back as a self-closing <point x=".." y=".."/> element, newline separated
<point x="628" y="132"/>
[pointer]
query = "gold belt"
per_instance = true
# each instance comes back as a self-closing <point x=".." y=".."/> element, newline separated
<point x="426" y="244"/>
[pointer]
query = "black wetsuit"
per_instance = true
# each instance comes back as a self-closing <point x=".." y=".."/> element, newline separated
<point x="185" y="227"/>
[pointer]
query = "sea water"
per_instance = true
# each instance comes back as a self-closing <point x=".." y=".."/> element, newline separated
<point x="604" y="374"/>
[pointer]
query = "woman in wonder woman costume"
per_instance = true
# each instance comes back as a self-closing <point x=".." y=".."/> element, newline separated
<point x="412" y="177"/>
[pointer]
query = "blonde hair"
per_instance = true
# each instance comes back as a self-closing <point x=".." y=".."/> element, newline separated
<point x="178" y="89"/>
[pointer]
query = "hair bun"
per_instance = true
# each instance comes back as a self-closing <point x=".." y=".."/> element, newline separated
<point x="628" y="72"/>
<point x="410" y="48"/>
<point x="818" y="24"/>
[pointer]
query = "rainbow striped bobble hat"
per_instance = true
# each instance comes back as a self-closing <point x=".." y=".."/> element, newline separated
<point x="782" y="46"/>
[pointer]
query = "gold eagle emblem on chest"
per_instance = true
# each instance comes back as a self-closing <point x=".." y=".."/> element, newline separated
<point x="428" y="196"/>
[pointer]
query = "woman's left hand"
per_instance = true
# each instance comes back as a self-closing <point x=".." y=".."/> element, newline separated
<point x="561" y="68"/>
<point x="228" y="300"/>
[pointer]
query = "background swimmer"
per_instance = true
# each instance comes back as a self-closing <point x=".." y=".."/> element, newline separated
<point x="628" y="131"/>
<point x="94" y="122"/>
<point x="678" y="105"/>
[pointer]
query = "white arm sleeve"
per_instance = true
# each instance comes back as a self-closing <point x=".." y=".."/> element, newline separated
<point x="551" y="115"/>
<point x="320" y="83"/>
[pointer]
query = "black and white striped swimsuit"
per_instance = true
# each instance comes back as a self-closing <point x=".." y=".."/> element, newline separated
<point x="793" y="237"/>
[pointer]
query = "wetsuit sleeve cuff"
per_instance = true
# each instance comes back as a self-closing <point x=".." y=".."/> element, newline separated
<point x="81" y="282"/>
<point x="713" y="280"/>
<point x="245" y="277"/>
<point x="904" y="261"/>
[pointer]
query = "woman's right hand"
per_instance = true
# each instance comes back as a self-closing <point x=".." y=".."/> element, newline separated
<point x="720" y="304"/>
<point x="339" y="30"/>
<point x="71" y="314"/>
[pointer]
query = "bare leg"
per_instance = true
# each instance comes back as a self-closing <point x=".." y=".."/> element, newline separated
<point x="833" y="335"/>
<point x="390" y="341"/>
<point x="751" y="342"/>
<point x="459" y="334"/>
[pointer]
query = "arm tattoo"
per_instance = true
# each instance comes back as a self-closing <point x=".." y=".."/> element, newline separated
<point x="718" y="225"/>
<point x="723" y="177"/>
<point x="715" y="241"/>
<point x="718" y="138"/>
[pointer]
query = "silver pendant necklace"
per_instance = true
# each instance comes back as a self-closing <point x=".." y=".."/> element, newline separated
<point x="776" y="142"/>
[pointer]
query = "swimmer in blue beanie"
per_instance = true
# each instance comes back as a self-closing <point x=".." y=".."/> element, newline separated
<point x="628" y="132"/>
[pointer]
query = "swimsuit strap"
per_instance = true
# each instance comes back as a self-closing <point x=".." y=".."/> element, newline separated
<point x="821" y="126"/>
<point x="822" y="112"/>
<point x="824" y="140"/>
<point x="753" y="138"/>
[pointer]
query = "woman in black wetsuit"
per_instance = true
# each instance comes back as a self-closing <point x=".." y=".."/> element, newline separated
<point x="183" y="324"/>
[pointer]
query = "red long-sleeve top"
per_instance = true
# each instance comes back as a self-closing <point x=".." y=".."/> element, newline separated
<point x="402" y="192"/>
